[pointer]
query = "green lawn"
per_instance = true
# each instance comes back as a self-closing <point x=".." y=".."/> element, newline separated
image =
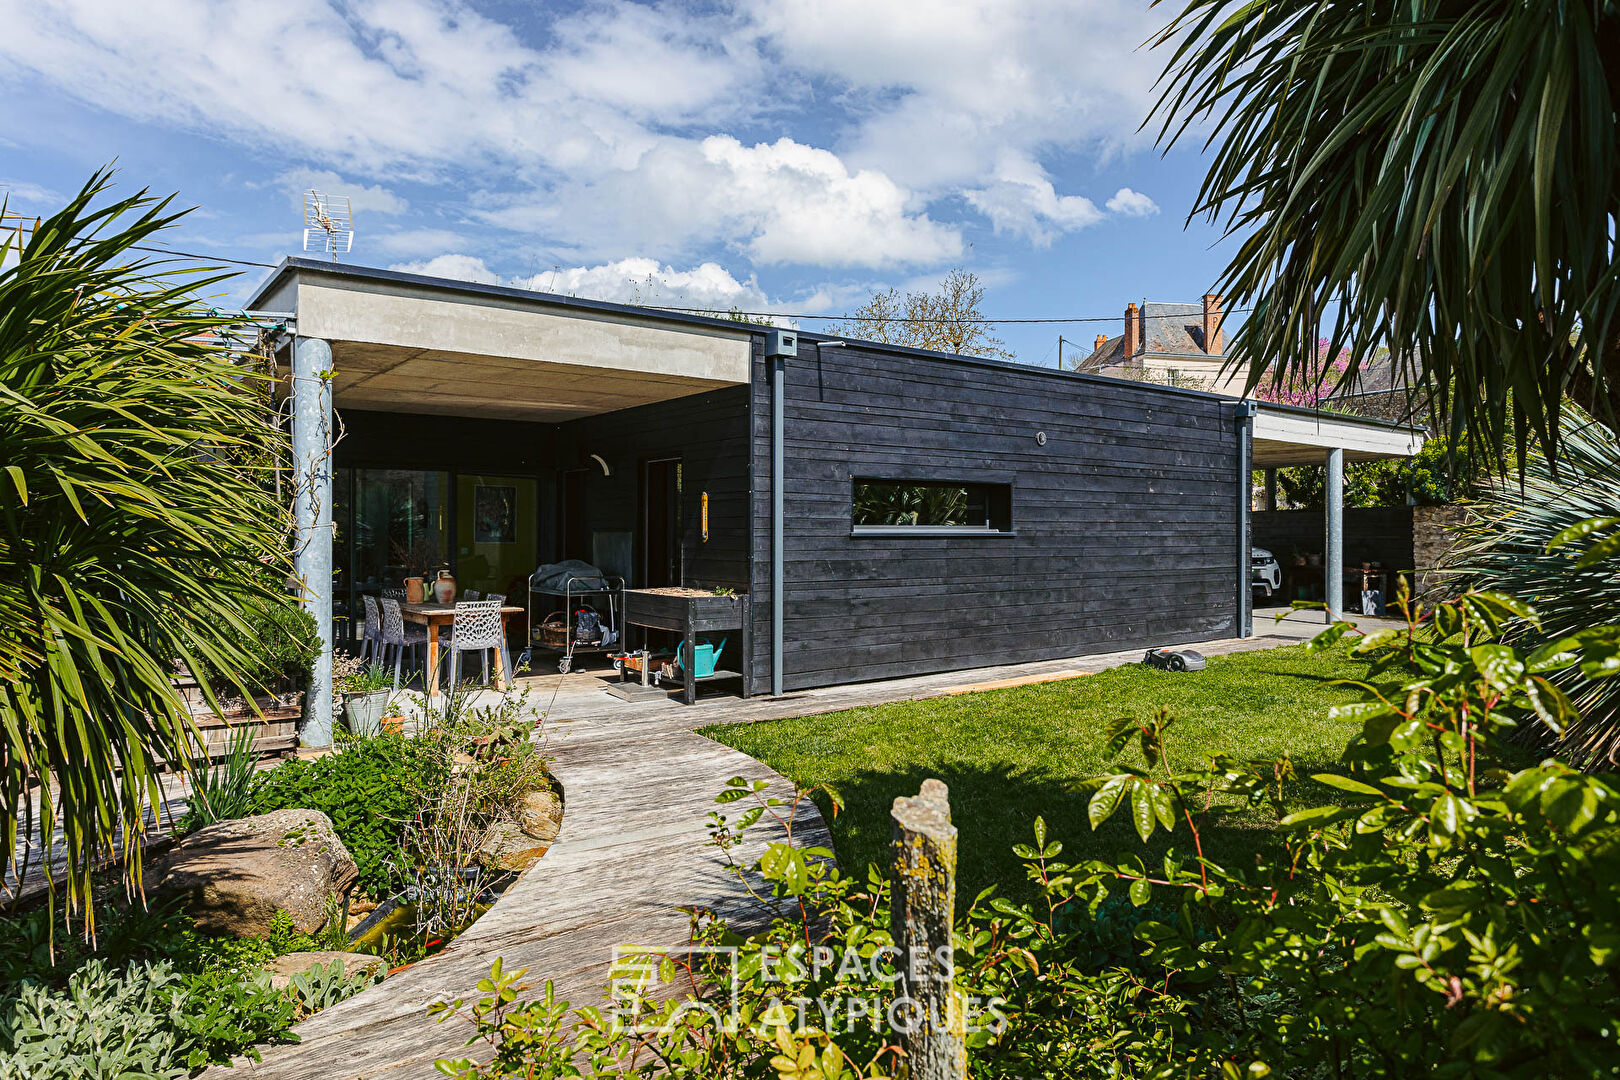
<point x="1009" y="755"/>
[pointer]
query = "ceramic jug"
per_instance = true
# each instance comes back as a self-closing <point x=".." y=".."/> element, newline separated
<point x="444" y="588"/>
<point x="415" y="590"/>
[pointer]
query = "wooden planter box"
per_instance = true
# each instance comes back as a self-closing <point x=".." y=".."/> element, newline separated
<point x="690" y="612"/>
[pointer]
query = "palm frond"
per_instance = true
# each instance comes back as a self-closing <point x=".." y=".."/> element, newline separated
<point x="137" y="529"/>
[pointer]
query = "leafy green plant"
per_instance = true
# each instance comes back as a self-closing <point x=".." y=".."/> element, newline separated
<point x="1434" y="910"/>
<point x="223" y="791"/>
<point x="324" y="985"/>
<point x="370" y="788"/>
<point x="284" y="641"/>
<point x="1547" y="541"/>
<point x="104" y="1025"/>
<point x="137" y="523"/>
<point x="365" y="679"/>
<point x="225" y="1013"/>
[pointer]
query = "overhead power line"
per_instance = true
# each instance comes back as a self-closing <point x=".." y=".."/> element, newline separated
<point x="733" y="313"/>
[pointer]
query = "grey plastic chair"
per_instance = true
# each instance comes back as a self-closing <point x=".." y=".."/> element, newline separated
<point x="399" y="637"/>
<point x="478" y="628"/>
<point x="393" y="594"/>
<point x="470" y="594"/>
<point x="371" y="643"/>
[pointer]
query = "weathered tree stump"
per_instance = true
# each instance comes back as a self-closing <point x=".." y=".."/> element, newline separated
<point x="927" y="1017"/>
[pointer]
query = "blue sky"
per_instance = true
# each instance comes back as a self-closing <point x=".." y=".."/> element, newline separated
<point x="781" y="155"/>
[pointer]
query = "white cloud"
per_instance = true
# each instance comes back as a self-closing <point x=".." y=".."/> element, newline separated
<point x="408" y="242"/>
<point x="1021" y="200"/>
<point x="455" y="266"/>
<point x="622" y="126"/>
<point x="1132" y="203"/>
<point x="640" y="280"/>
<point x="781" y="202"/>
<point x="363" y="198"/>
<point x="21" y="193"/>
<point x="635" y="280"/>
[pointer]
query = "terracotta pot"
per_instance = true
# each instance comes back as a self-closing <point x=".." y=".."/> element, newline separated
<point x="393" y="725"/>
<point x="415" y="591"/>
<point x="444" y="588"/>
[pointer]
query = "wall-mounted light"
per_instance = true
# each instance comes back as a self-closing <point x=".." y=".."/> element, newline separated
<point x="607" y="470"/>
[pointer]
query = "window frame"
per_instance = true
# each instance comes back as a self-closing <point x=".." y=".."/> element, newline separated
<point x="998" y="504"/>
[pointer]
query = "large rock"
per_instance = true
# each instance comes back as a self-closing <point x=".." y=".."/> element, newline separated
<point x="540" y="815"/>
<point x="518" y="845"/>
<point x="236" y="875"/>
<point x="283" y="968"/>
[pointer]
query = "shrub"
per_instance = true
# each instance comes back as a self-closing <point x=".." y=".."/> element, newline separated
<point x="370" y="788"/>
<point x="283" y="641"/>
<point x="1437" y="911"/>
<point x="1512" y="544"/>
<point x="137" y="521"/>
<point x="104" y="1025"/>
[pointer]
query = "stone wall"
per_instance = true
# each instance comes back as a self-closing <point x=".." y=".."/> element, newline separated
<point x="1432" y="539"/>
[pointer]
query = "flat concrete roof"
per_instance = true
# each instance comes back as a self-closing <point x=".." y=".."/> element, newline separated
<point x="413" y="343"/>
<point x="426" y="345"/>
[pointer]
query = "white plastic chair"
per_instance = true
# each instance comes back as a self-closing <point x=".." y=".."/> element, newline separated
<point x="478" y="628"/>
<point x="397" y="636"/>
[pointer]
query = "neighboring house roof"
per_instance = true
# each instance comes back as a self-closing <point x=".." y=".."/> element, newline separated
<point x="1168" y="330"/>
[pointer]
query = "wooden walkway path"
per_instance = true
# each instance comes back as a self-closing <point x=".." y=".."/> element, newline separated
<point x="638" y="786"/>
<point x="633" y="850"/>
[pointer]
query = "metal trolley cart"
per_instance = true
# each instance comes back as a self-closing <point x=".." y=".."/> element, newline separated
<point x="574" y="591"/>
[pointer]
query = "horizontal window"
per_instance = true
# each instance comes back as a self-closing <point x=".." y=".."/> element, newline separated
<point x="883" y="507"/>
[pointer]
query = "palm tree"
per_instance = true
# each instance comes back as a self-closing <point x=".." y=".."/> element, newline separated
<point x="136" y="527"/>
<point x="1441" y="176"/>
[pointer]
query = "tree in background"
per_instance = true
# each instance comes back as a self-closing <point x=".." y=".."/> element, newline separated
<point x="1442" y="176"/>
<point x="137" y="528"/>
<point x="950" y="319"/>
<point x="1308" y="390"/>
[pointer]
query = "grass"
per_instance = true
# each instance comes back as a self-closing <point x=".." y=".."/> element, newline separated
<point x="1010" y="755"/>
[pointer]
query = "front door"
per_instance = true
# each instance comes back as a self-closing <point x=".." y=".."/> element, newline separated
<point x="661" y="523"/>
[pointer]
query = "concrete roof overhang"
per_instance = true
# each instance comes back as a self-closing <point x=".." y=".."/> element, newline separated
<point x="1285" y="435"/>
<point x="408" y="343"/>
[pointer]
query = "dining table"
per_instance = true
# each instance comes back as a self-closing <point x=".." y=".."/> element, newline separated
<point x="436" y="616"/>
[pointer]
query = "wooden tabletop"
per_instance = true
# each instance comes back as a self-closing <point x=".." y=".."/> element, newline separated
<point x="449" y="609"/>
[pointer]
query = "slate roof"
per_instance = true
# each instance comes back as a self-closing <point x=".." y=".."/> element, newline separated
<point x="1167" y="330"/>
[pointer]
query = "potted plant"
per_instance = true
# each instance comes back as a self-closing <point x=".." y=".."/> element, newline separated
<point x="366" y="692"/>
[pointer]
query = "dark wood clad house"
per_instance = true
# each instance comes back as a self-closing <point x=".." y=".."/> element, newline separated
<point x="937" y="512"/>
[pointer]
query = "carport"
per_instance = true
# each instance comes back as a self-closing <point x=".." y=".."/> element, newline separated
<point x="1280" y="436"/>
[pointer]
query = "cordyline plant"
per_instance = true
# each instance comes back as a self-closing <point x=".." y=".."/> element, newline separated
<point x="136" y="527"/>
<point x="1440" y="177"/>
<point x="1432" y="911"/>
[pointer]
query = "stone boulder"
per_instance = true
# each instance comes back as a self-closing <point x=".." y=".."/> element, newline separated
<point x="518" y="845"/>
<point x="283" y="968"/>
<point x="235" y="875"/>
<point x="540" y="815"/>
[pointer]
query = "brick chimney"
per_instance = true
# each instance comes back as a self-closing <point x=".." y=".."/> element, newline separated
<point x="1214" y="340"/>
<point x="1102" y="339"/>
<point x="1133" y="331"/>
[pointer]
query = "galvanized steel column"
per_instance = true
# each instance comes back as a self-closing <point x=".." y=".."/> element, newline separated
<point x="1333" y="558"/>
<point x="1246" y="411"/>
<point x="312" y="515"/>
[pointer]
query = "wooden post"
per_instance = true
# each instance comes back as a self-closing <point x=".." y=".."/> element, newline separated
<point x="928" y="1019"/>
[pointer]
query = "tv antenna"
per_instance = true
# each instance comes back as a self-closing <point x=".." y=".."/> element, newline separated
<point x="328" y="223"/>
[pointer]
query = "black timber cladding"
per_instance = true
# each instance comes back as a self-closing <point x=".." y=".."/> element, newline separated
<point x="1124" y="522"/>
<point x="709" y="433"/>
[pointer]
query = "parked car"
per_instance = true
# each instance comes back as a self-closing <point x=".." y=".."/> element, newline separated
<point x="1267" y="571"/>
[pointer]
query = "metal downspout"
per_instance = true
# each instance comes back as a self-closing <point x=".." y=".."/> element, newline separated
<point x="778" y="502"/>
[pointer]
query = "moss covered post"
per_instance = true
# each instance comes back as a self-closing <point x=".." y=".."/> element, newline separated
<point x="927" y="1016"/>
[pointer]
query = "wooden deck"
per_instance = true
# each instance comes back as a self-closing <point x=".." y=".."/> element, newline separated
<point x="633" y="850"/>
<point x="638" y="786"/>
